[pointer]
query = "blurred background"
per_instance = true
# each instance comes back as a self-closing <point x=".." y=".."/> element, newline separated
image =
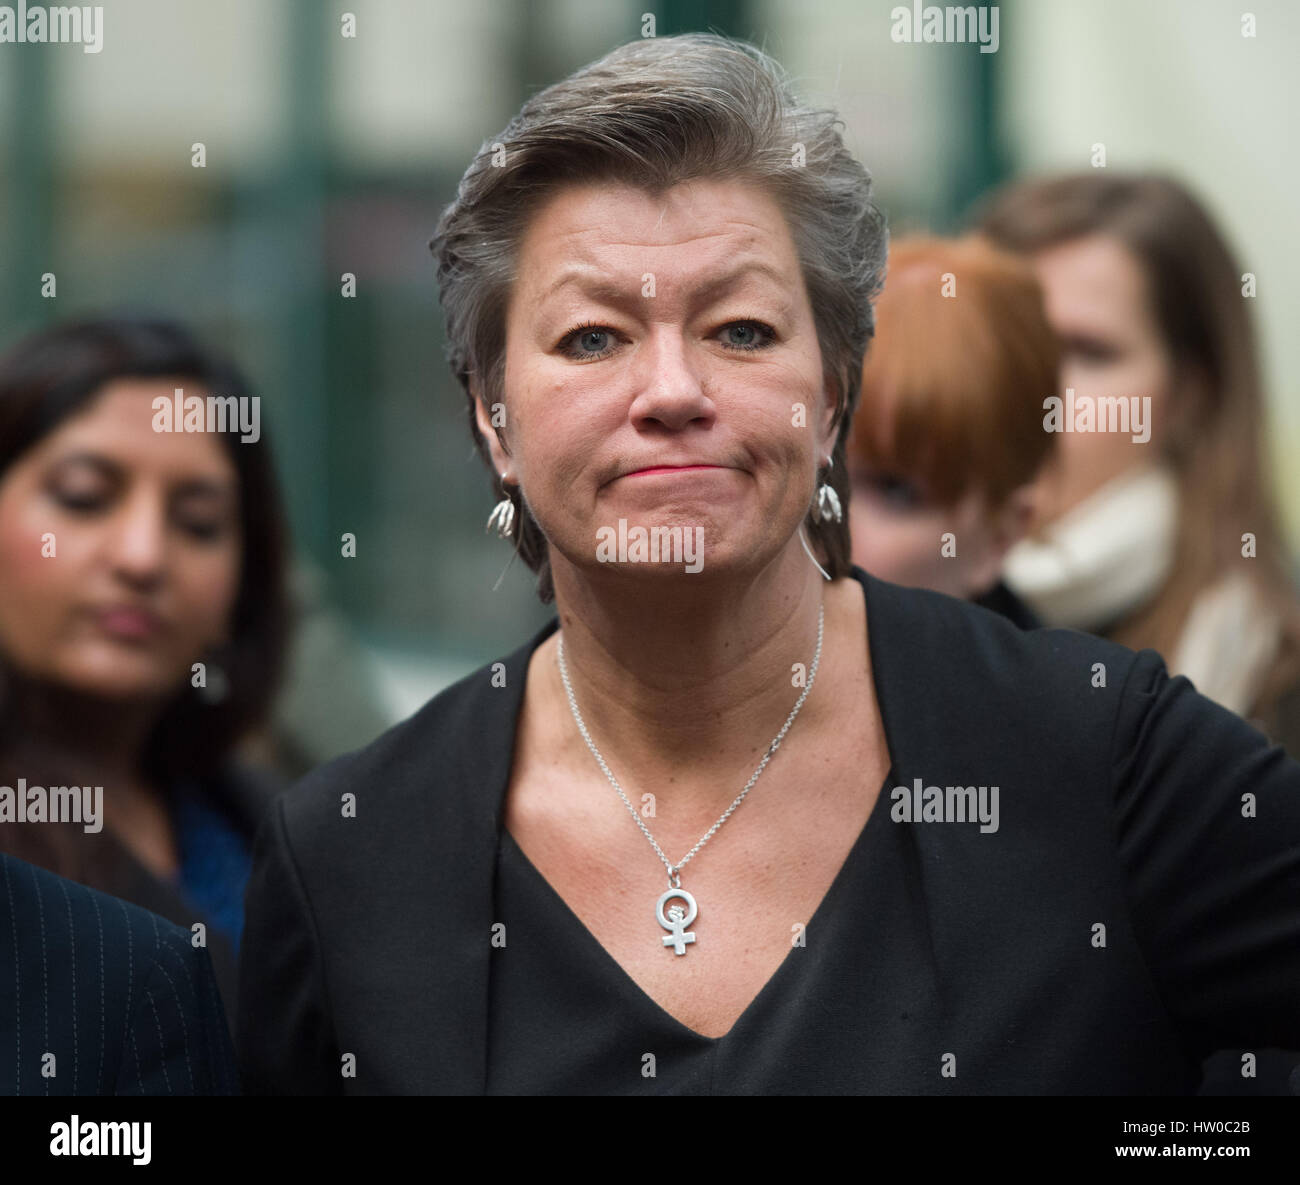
<point x="328" y="155"/>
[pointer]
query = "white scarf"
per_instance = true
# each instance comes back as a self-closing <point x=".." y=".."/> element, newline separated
<point x="1102" y="557"/>
<point x="1229" y="643"/>
<point x="1112" y="552"/>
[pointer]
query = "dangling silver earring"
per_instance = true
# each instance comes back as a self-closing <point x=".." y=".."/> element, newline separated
<point x="502" y="516"/>
<point x="827" y="504"/>
<point x="828" y="501"/>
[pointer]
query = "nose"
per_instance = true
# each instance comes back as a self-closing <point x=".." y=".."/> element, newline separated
<point x="137" y="540"/>
<point x="671" y="388"/>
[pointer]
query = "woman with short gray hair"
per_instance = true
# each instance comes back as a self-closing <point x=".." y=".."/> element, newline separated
<point x="742" y="818"/>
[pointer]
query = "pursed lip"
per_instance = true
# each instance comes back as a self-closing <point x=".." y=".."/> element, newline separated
<point x="670" y="469"/>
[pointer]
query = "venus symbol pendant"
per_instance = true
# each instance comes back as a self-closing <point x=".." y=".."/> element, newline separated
<point x="677" y="920"/>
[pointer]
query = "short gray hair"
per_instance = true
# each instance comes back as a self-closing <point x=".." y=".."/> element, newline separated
<point x="654" y="113"/>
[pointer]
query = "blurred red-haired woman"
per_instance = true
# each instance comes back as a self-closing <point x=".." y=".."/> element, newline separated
<point x="949" y="436"/>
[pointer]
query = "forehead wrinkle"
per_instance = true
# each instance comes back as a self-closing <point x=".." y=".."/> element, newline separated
<point x="575" y="227"/>
<point x="597" y="284"/>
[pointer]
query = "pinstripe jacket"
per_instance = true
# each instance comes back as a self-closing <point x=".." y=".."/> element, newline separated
<point x="99" y="997"/>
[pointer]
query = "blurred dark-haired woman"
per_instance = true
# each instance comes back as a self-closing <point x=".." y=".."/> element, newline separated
<point x="142" y="617"/>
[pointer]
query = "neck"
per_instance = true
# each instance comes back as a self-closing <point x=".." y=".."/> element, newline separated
<point x="85" y="739"/>
<point x="684" y="683"/>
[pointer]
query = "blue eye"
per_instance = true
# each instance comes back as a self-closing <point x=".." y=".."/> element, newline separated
<point x="755" y="335"/>
<point x="587" y="342"/>
<point x="593" y="341"/>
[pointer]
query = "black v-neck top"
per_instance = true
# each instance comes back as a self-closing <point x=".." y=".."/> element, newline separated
<point x="1136" y="907"/>
<point x="563" y="1015"/>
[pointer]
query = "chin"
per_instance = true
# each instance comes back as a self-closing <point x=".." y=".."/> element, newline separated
<point x="121" y="684"/>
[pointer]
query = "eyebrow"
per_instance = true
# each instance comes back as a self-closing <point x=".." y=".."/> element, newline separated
<point x="90" y="460"/>
<point x="204" y="487"/>
<point x="221" y="487"/>
<point x="594" y="283"/>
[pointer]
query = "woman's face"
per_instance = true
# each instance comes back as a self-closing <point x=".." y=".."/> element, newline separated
<point x="119" y="548"/>
<point x="900" y="531"/>
<point x="1097" y="301"/>
<point x="663" y="368"/>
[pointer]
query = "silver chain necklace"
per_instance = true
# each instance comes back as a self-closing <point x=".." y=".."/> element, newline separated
<point x="678" y="919"/>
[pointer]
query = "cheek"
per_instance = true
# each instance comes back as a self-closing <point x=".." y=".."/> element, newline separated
<point x="1142" y="371"/>
<point x="903" y="549"/>
<point x="776" y="423"/>
<point x="1155" y="379"/>
<point x="788" y="394"/>
<point x="36" y="590"/>
<point x="1081" y="452"/>
<point x="556" y="472"/>
<point x="206" y="583"/>
<point x="553" y="433"/>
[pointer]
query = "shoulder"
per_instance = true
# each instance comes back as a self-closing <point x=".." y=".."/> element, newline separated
<point x="1071" y="707"/>
<point x="957" y="649"/>
<point x="961" y="687"/>
<point x="102" y="964"/>
<point x="428" y="771"/>
<point x="37" y="894"/>
<point x="84" y="932"/>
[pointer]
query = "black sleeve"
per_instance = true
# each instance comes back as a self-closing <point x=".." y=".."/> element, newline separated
<point x="177" y="1040"/>
<point x="284" y="1033"/>
<point x="1207" y="819"/>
